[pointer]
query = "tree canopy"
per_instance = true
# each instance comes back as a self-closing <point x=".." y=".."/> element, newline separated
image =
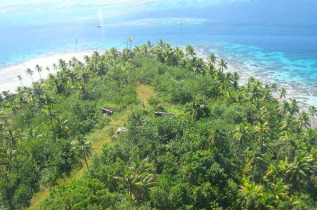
<point x="227" y="146"/>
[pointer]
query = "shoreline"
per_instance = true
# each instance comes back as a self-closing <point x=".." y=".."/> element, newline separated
<point x="9" y="73"/>
<point x="304" y="94"/>
<point x="294" y="90"/>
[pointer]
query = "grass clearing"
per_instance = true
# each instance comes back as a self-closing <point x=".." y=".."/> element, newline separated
<point x="98" y="139"/>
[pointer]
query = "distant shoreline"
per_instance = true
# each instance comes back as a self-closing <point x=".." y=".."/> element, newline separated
<point x="9" y="74"/>
<point x="306" y="94"/>
<point x="9" y="80"/>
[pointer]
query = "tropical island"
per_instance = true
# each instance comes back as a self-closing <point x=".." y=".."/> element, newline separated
<point x="190" y="137"/>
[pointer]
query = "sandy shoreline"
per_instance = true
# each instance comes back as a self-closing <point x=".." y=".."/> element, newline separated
<point x="9" y="74"/>
<point x="306" y="95"/>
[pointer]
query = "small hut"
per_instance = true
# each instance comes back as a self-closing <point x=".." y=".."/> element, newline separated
<point x="158" y="113"/>
<point x="107" y="111"/>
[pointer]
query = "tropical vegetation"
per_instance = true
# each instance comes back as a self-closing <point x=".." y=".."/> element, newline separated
<point x="226" y="145"/>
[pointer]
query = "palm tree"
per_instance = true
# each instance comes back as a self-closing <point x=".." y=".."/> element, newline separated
<point x="294" y="108"/>
<point x="262" y="130"/>
<point x="38" y="69"/>
<point x="285" y="107"/>
<point x="38" y="91"/>
<point x="303" y="120"/>
<point x="6" y="94"/>
<point x="149" y="44"/>
<point x="312" y="111"/>
<point x="62" y="64"/>
<point x="275" y="171"/>
<point x="84" y="148"/>
<point x="179" y="54"/>
<point x="7" y="160"/>
<point x="273" y="87"/>
<point x="60" y="128"/>
<point x="235" y="76"/>
<point x="114" y="52"/>
<point x="199" y="66"/>
<point x="54" y="66"/>
<point x="212" y="58"/>
<point x="210" y="69"/>
<point x="223" y="64"/>
<point x="86" y="59"/>
<point x="190" y="51"/>
<point x="20" y="78"/>
<point x="302" y="166"/>
<point x="29" y="72"/>
<point x="241" y="132"/>
<point x="282" y="93"/>
<point x="160" y="43"/>
<point x="252" y="194"/>
<point x="251" y="81"/>
<point x="168" y="56"/>
<point x="129" y="41"/>
<point x="10" y="138"/>
<point x="95" y="56"/>
<point x="138" y="179"/>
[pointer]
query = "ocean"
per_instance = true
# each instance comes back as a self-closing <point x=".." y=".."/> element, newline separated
<point x="274" y="40"/>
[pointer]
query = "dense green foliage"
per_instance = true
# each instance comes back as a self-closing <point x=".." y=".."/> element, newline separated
<point x="227" y="146"/>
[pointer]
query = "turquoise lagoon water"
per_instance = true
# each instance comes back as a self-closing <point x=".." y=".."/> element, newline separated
<point x="274" y="39"/>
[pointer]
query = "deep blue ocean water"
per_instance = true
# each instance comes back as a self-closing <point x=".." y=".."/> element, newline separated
<point x="275" y="37"/>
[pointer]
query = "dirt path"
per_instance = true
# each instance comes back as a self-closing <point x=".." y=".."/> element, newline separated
<point x="98" y="138"/>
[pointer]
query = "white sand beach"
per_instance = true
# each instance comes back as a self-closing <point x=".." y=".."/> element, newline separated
<point x="9" y="75"/>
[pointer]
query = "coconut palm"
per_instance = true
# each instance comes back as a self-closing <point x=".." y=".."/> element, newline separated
<point x="212" y="59"/>
<point x="303" y="120"/>
<point x="252" y="194"/>
<point x="262" y="130"/>
<point x="168" y="56"/>
<point x="241" y="132"/>
<point x="223" y="64"/>
<point x="149" y="45"/>
<point x="210" y="69"/>
<point x="60" y="128"/>
<point x="235" y="76"/>
<point x="190" y="51"/>
<point x="160" y="43"/>
<point x="95" y="56"/>
<point x="138" y="179"/>
<point x="282" y="93"/>
<point x="302" y="166"/>
<point x="129" y="41"/>
<point x="285" y="107"/>
<point x="54" y="66"/>
<point x="199" y="66"/>
<point x="273" y="87"/>
<point x="30" y="72"/>
<point x="38" y="69"/>
<point x="294" y="108"/>
<point x="312" y="111"/>
<point x="251" y="81"/>
<point x="20" y="79"/>
<point x="83" y="147"/>
<point x="275" y="172"/>
<point x="10" y="138"/>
